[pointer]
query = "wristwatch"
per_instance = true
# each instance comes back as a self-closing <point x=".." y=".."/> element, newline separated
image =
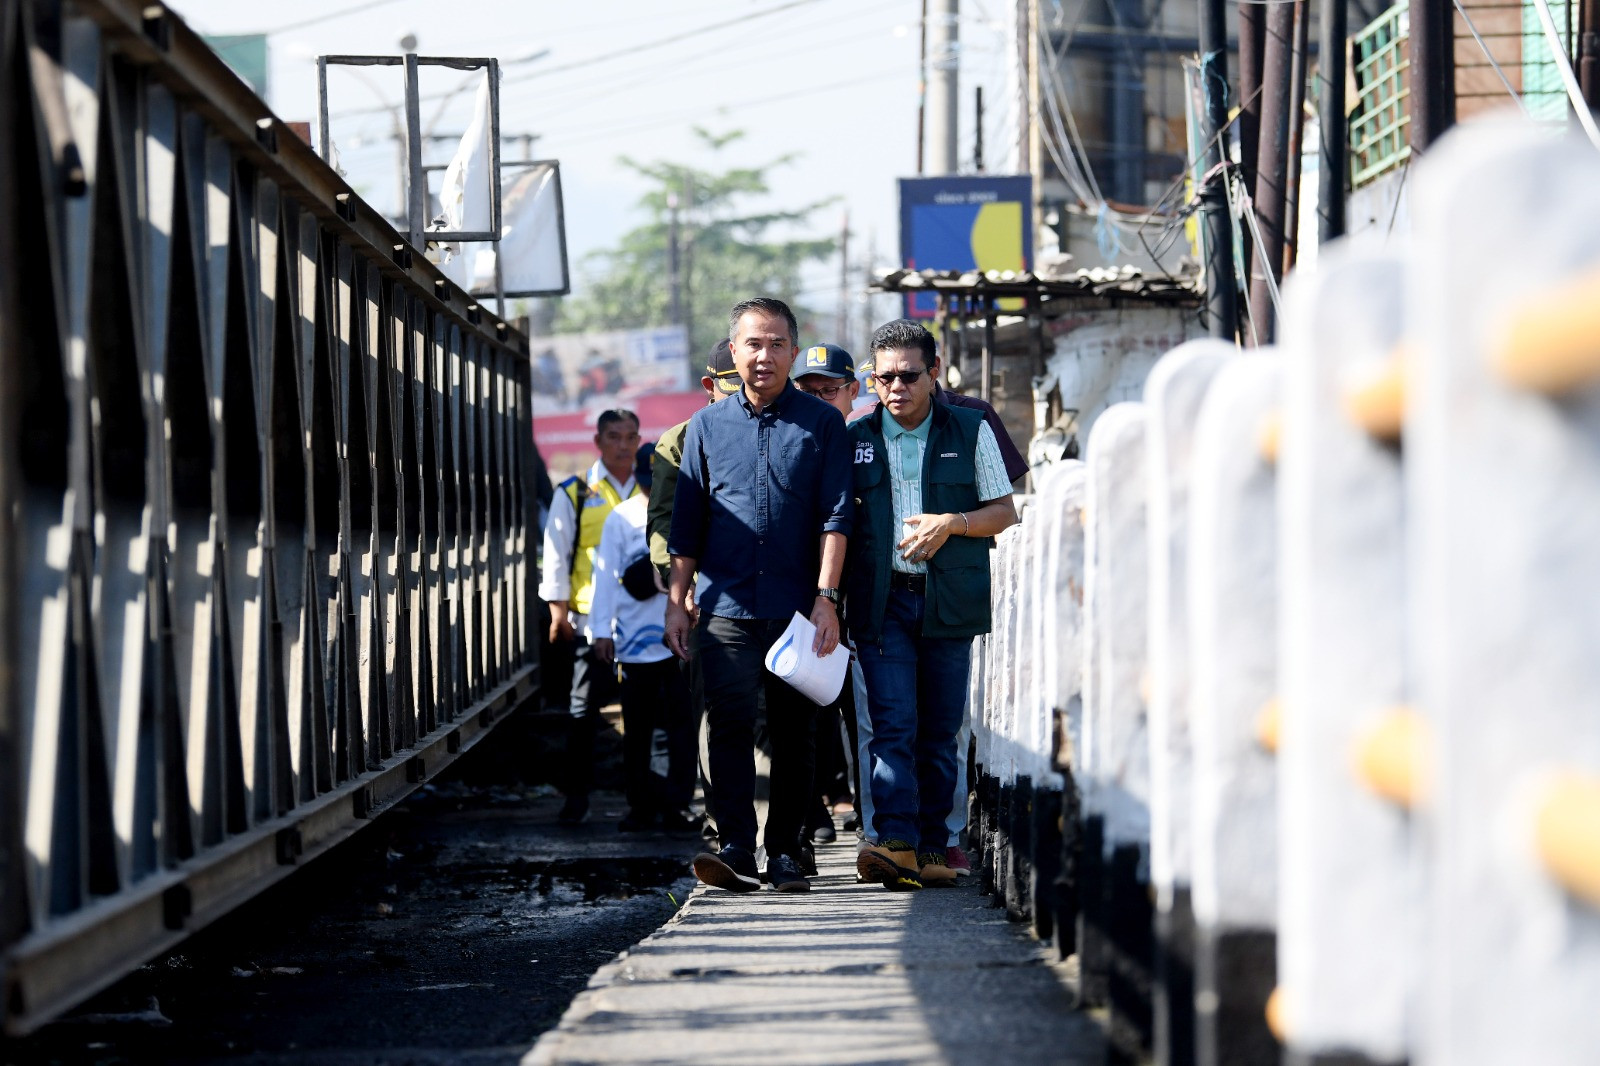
<point x="831" y="595"/>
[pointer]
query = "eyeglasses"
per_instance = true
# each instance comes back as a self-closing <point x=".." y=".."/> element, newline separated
<point x="827" y="392"/>
<point x="906" y="377"/>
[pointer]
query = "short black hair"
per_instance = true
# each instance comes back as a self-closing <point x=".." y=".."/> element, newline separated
<point x="904" y="333"/>
<point x="767" y="305"/>
<point x="616" y="414"/>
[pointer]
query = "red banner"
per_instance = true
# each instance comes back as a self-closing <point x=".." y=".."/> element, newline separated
<point x="567" y="441"/>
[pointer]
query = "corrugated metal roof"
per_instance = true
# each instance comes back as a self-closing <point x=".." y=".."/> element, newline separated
<point x="1124" y="282"/>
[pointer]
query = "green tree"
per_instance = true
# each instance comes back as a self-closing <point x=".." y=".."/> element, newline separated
<point x="726" y="252"/>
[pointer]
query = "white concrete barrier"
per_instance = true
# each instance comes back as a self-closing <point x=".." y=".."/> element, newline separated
<point x="1116" y="941"/>
<point x="1503" y="487"/>
<point x="1345" y="918"/>
<point x="1232" y="621"/>
<point x="1172" y="395"/>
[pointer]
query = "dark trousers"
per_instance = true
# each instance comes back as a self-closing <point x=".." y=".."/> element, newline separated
<point x="732" y="651"/>
<point x="594" y="684"/>
<point x="656" y="696"/>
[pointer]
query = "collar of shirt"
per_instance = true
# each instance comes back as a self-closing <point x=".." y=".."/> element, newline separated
<point x="908" y="444"/>
<point x="598" y="471"/>
<point x="776" y="406"/>
<point x="893" y="429"/>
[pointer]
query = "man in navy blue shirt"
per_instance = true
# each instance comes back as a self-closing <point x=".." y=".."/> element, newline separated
<point x="761" y="513"/>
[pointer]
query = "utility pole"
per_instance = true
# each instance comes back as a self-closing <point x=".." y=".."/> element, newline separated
<point x="1252" y="43"/>
<point x="977" y="134"/>
<point x="1333" y="165"/>
<point x="1297" y="126"/>
<point x="1222" y="298"/>
<point x="1433" y="98"/>
<point x="842" y="319"/>
<point x="686" y="253"/>
<point x="1266" y="266"/>
<point x="865" y="351"/>
<point x="1589" y="52"/>
<point x="1033" y="72"/>
<point x="922" y="89"/>
<point x="674" y="281"/>
<point x="944" y="61"/>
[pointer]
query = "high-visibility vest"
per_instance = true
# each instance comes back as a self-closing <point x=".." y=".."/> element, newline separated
<point x="591" y="502"/>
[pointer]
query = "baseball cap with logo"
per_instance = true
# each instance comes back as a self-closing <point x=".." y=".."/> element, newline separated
<point x="719" y="365"/>
<point x="829" y="360"/>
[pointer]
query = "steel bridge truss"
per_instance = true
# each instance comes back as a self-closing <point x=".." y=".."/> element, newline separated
<point x="264" y="499"/>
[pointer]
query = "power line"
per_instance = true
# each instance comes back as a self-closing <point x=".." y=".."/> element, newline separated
<point x="655" y="74"/>
<point x="662" y="42"/>
<point x="655" y="120"/>
<point x="328" y="16"/>
<point x="604" y="57"/>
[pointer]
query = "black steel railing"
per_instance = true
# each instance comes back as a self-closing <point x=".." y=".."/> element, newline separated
<point x="263" y="500"/>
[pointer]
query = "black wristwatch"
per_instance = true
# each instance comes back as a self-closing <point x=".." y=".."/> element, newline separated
<point x="831" y="595"/>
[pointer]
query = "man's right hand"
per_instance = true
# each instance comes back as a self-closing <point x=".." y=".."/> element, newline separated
<point x="676" y="635"/>
<point x="560" y="625"/>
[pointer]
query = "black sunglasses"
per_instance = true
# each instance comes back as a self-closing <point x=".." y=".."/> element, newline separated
<point x="904" y="376"/>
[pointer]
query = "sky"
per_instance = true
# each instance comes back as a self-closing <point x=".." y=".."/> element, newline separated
<point x="833" y="82"/>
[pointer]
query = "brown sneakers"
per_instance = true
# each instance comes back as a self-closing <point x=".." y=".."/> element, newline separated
<point x="891" y="864"/>
<point x="935" y="871"/>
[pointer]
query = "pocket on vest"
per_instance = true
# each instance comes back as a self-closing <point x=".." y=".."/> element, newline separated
<point x="962" y="601"/>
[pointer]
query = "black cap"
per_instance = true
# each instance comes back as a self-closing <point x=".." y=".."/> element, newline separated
<point x="641" y="463"/>
<point x="719" y="364"/>
<point x="829" y="360"/>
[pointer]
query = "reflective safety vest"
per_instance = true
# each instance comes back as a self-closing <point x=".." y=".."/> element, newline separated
<point x="591" y="502"/>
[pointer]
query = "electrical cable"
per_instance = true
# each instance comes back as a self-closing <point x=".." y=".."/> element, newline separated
<point x="1490" y="57"/>
<point x="620" y="53"/>
<point x="662" y="42"/>
<point x="655" y="74"/>
<point x="645" y="122"/>
<point x="327" y="16"/>
<point x="1558" y="52"/>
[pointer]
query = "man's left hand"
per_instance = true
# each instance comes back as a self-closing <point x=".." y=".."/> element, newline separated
<point x="826" y="618"/>
<point x="928" y="534"/>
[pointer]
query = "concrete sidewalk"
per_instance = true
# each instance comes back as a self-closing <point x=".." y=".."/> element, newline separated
<point x="846" y="973"/>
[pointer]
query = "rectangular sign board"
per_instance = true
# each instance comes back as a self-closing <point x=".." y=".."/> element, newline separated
<point x="981" y="222"/>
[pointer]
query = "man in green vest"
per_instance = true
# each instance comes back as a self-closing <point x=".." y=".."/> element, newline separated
<point x="931" y="493"/>
<point x="578" y="511"/>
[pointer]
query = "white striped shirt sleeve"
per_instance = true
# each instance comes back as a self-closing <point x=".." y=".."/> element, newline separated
<point x="992" y="481"/>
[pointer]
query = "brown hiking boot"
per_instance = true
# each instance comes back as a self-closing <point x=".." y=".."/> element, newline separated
<point x="891" y="864"/>
<point x="935" y="871"/>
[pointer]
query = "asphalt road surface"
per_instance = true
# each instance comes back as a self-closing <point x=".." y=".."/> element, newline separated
<point x="455" y="929"/>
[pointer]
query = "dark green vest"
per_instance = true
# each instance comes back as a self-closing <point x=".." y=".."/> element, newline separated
<point x="958" y="574"/>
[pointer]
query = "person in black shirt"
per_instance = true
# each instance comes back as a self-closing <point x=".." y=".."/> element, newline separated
<point x="762" y="513"/>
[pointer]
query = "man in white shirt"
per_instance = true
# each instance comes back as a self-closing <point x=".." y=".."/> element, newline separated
<point x="627" y="622"/>
<point x="578" y="511"/>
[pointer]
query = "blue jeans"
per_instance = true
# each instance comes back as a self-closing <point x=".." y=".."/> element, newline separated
<point x="916" y="700"/>
<point x="958" y="801"/>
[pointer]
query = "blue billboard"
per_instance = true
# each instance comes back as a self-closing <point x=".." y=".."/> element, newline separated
<point x="974" y="223"/>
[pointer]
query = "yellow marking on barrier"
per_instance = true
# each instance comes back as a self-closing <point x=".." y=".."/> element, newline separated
<point x="1551" y="342"/>
<point x="1276" y="1016"/>
<point x="1390" y="754"/>
<point x="1376" y="400"/>
<point x="1568" y="834"/>
<point x="1268" y="724"/>
<point x="1269" y="435"/>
